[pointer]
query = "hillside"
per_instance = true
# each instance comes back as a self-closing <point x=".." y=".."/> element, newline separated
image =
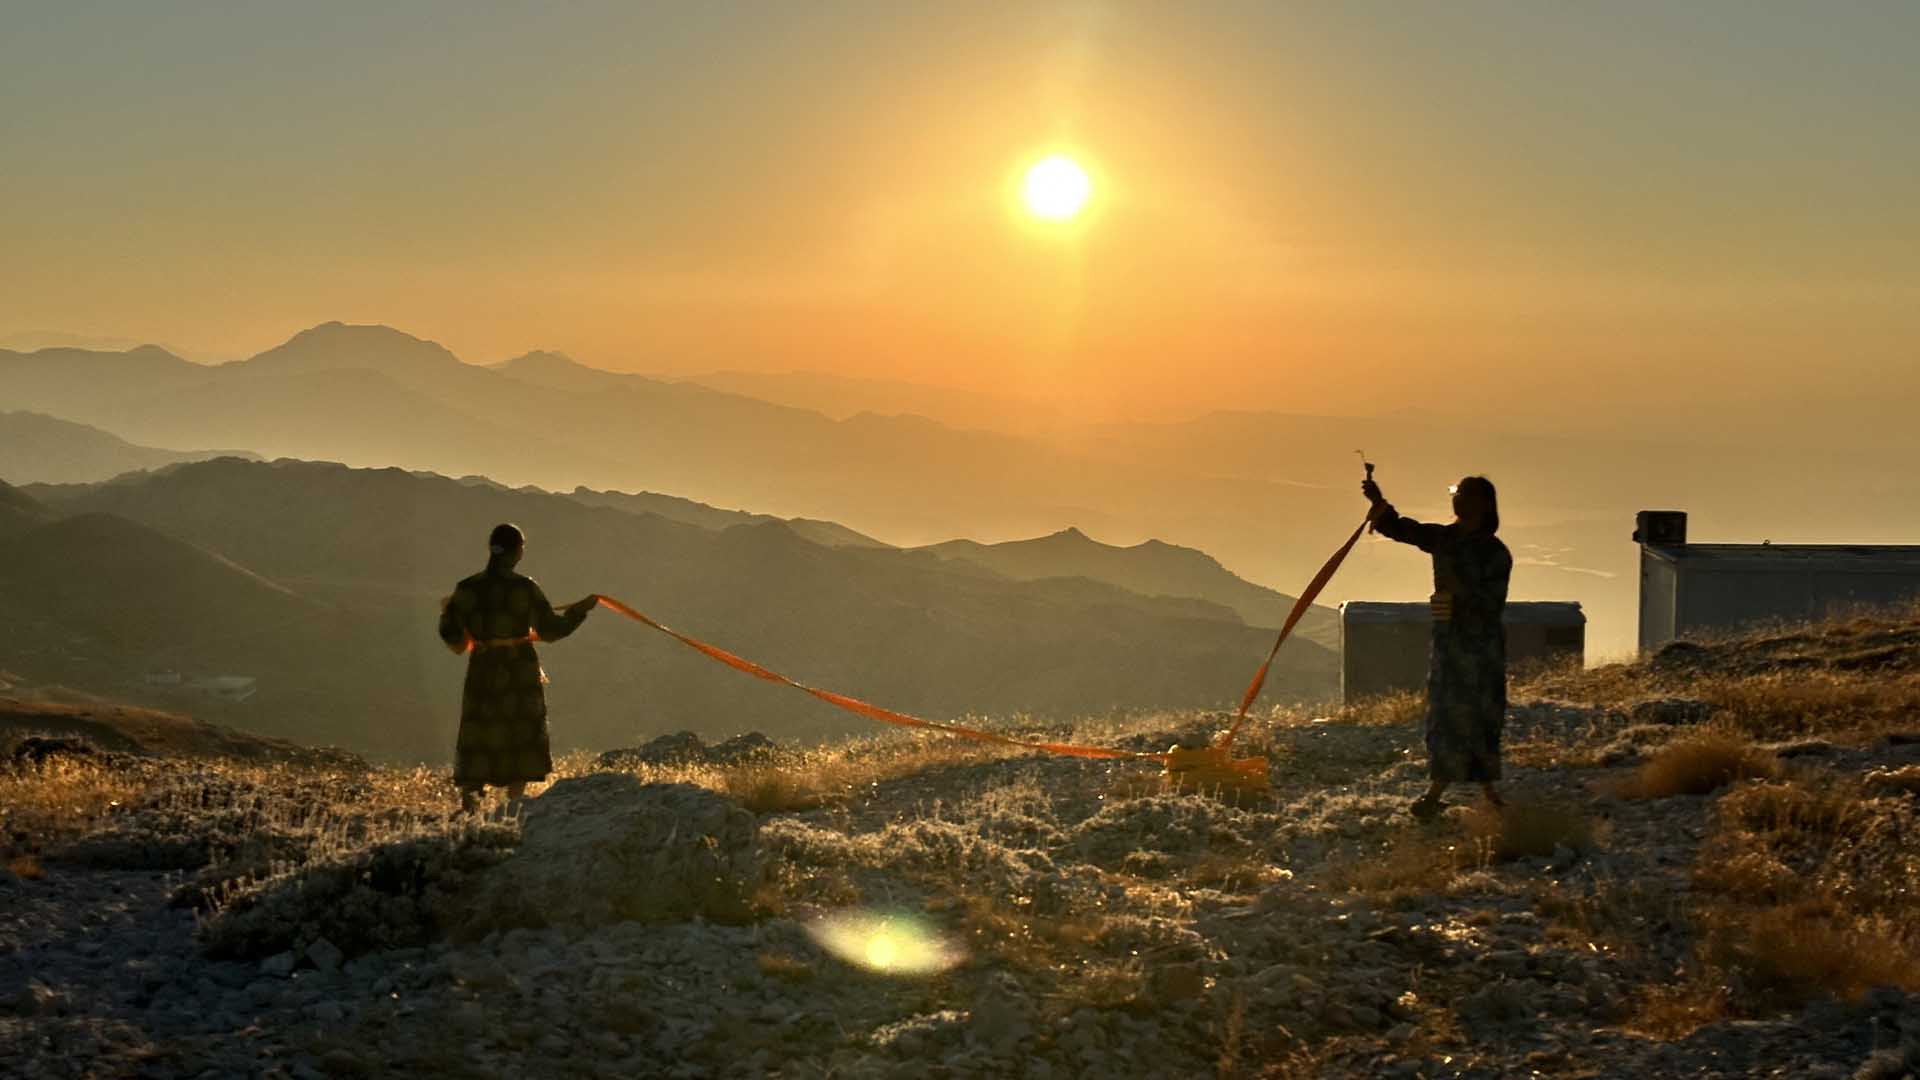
<point x="379" y="548"/>
<point x="1705" y="870"/>
<point x="42" y="449"/>
<point x="1152" y="568"/>
<point x="19" y="511"/>
<point x="123" y="729"/>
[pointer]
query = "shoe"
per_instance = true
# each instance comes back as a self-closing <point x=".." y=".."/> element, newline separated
<point x="1426" y="808"/>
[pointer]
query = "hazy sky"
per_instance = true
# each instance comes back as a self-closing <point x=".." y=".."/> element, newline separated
<point x="1562" y="209"/>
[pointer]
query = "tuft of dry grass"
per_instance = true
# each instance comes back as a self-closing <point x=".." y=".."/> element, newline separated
<point x="26" y="867"/>
<point x="1674" y="1011"/>
<point x="783" y="965"/>
<point x="1699" y="764"/>
<point x="1527" y="829"/>
<point x="1787" y="953"/>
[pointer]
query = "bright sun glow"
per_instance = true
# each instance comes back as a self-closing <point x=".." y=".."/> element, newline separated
<point x="1057" y="188"/>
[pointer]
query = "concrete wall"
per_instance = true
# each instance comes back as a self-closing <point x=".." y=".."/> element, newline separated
<point x="1722" y="598"/>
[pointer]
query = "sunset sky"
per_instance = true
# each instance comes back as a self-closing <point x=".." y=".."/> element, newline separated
<point x="1569" y="211"/>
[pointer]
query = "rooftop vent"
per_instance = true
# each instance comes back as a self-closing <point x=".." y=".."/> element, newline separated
<point x="1660" y="528"/>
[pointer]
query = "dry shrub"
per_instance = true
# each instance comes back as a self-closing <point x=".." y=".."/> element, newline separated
<point x="1527" y="829"/>
<point x="1820" y="810"/>
<point x="1676" y="1011"/>
<point x="1737" y="869"/>
<point x="26" y="867"/>
<point x="1699" y="765"/>
<point x="1415" y="864"/>
<point x="1786" y="954"/>
<point x="766" y="789"/>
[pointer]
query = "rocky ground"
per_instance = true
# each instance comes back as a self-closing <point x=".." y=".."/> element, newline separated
<point x="913" y="907"/>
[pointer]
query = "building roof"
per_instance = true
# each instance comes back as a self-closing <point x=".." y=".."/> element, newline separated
<point x="1518" y="613"/>
<point x="1862" y="558"/>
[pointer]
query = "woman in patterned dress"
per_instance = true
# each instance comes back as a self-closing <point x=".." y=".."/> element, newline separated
<point x="494" y="617"/>
<point x="1467" y="664"/>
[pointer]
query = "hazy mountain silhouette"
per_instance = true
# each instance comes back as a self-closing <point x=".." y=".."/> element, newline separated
<point x="1268" y="495"/>
<point x="687" y="511"/>
<point x="19" y="511"/>
<point x="1152" y="568"/>
<point x="373" y="551"/>
<point x="35" y="448"/>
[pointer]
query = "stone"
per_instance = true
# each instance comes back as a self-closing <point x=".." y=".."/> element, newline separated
<point x="280" y="965"/>
<point x="325" y="955"/>
<point x="679" y="748"/>
<point x="606" y="848"/>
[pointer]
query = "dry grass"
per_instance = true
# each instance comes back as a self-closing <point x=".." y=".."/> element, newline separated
<point x="783" y="965"/>
<point x="1674" y="1011"/>
<point x="1806" y="888"/>
<point x="60" y="799"/>
<point x="1526" y="829"/>
<point x="1426" y="861"/>
<point x="26" y="867"/>
<point x="1785" y="954"/>
<point x="1901" y="781"/>
<point x="1698" y="764"/>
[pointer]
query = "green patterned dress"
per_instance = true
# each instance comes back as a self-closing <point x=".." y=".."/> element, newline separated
<point x="1467" y="665"/>
<point x="492" y="616"/>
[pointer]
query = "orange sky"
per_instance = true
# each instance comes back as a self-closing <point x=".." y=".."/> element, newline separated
<point x="1335" y="208"/>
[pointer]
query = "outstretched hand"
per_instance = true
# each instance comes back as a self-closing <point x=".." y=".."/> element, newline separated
<point x="1372" y="491"/>
<point x="580" y="609"/>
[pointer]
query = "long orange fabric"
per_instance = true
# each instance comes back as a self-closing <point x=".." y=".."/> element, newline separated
<point x="1300" y="606"/>
<point x="889" y="716"/>
<point x="862" y="708"/>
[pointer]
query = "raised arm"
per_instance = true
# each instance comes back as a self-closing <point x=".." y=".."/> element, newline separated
<point x="1388" y="522"/>
<point x="553" y="625"/>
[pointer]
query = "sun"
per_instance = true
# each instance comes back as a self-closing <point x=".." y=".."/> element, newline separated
<point x="1056" y="188"/>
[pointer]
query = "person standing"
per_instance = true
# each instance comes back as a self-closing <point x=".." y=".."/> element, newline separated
<point x="493" y="618"/>
<point x="1467" y="662"/>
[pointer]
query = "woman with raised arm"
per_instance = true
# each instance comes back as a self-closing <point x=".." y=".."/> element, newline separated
<point x="1467" y="664"/>
<point x="494" y="617"/>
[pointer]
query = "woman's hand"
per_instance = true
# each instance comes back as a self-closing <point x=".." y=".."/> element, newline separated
<point x="1372" y="491"/>
<point x="580" y="609"/>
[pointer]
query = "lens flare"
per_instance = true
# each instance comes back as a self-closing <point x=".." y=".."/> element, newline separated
<point x="887" y="944"/>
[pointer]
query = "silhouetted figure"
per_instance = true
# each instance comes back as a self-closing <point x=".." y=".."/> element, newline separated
<point x="1467" y="665"/>
<point x="495" y="616"/>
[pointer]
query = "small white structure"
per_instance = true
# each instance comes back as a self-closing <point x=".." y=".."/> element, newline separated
<point x="235" y="688"/>
<point x="1689" y="588"/>
<point x="1384" y="646"/>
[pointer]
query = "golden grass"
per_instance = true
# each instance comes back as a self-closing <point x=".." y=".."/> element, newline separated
<point x="60" y="799"/>
<point x="783" y="965"/>
<point x="1527" y="828"/>
<point x="26" y="867"/>
<point x="1901" y="781"/>
<point x="1787" y="953"/>
<point x="1698" y="764"/>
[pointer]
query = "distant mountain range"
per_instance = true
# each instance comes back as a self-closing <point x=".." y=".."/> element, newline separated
<point x="322" y="582"/>
<point x="1267" y="494"/>
<point x="35" y="448"/>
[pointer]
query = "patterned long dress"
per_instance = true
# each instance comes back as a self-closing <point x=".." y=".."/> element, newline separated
<point x="1467" y="665"/>
<point x="494" y="617"/>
